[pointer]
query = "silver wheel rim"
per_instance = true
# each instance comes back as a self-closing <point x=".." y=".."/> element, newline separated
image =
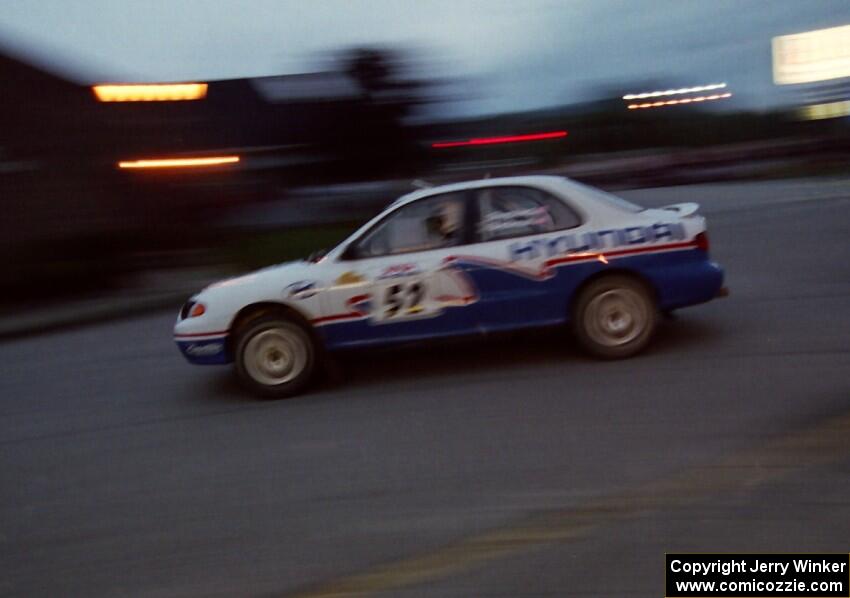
<point x="275" y="356"/>
<point x="616" y="317"/>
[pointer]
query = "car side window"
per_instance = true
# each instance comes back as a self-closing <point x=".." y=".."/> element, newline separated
<point x="506" y="212"/>
<point x="430" y="223"/>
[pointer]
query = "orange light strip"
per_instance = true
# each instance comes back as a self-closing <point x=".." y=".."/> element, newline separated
<point x="179" y="162"/>
<point x="719" y="96"/>
<point x="152" y="92"/>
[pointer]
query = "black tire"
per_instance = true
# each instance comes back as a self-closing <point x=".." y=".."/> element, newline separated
<point x="275" y="357"/>
<point x="615" y="316"/>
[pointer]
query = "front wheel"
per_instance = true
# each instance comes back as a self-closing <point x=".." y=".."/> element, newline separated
<point x="275" y="358"/>
<point x="615" y="317"/>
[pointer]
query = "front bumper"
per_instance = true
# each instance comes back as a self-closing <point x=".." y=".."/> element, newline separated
<point x="203" y="349"/>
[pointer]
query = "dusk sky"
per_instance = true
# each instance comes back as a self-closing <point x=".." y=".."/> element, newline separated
<point x="511" y="55"/>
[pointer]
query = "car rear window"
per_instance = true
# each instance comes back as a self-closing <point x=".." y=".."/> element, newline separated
<point x="609" y="198"/>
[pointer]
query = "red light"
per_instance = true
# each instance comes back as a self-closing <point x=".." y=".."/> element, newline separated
<point x="506" y="139"/>
<point x="702" y="241"/>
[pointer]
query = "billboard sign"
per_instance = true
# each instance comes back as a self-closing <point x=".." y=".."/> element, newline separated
<point x="812" y="56"/>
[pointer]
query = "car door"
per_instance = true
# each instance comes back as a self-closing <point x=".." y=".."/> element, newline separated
<point x="397" y="282"/>
<point x="508" y="260"/>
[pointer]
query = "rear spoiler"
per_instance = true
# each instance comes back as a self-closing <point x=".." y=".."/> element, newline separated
<point x="683" y="210"/>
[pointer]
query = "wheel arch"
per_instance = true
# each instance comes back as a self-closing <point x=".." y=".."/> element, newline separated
<point x="633" y="274"/>
<point x="260" y="309"/>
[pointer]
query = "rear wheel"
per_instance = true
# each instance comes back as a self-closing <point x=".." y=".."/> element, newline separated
<point x="615" y="317"/>
<point x="275" y="358"/>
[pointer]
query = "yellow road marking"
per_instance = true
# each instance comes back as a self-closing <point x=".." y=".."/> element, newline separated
<point x="745" y="470"/>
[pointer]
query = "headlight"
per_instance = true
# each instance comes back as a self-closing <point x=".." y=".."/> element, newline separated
<point x="192" y="309"/>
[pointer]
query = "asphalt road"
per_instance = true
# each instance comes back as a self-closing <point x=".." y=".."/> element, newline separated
<point x="509" y="468"/>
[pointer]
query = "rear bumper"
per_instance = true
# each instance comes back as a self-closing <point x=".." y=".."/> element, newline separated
<point x="689" y="283"/>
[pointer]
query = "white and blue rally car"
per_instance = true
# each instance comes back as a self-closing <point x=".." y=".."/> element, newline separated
<point x="467" y="258"/>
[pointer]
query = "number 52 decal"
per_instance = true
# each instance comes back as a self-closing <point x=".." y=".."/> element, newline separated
<point x="403" y="299"/>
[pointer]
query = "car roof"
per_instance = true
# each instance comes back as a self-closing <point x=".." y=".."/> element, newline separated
<point x="539" y="180"/>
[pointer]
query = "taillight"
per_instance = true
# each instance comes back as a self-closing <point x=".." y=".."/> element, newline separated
<point x="702" y="241"/>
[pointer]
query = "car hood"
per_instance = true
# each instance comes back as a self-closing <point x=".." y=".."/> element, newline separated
<point x="278" y="276"/>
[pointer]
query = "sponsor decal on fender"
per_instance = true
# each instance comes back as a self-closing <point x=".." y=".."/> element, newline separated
<point x="205" y="350"/>
<point x="303" y="289"/>
<point x="349" y="278"/>
<point x="399" y="270"/>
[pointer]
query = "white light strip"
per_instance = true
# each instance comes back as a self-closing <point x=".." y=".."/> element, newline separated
<point x="720" y="96"/>
<point x="672" y="92"/>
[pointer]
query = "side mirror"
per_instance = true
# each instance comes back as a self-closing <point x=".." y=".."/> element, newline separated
<point x="317" y="255"/>
<point x="351" y="252"/>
